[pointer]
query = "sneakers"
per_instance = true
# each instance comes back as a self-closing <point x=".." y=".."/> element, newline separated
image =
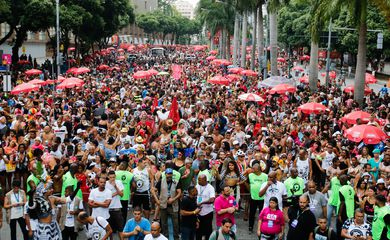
<point x="250" y="229"/>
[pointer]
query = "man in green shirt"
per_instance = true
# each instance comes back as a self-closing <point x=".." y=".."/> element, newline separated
<point x="346" y="205"/>
<point x="126" y="177"/>
<point x="32" y="180"/>
<point x="294" y="185"/>
<point x="187" y="174"/>
<point x="381" y="222"/>
<point x="255" y="180"/>
<point x="334" y="197"/>
<point x="68" y="179"/>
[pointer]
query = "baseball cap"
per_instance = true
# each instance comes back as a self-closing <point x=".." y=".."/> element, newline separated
<point x="235" y="142"/>
<point x="380" y="181"/>
<point x="80" y="131"/>
<point x="168" y="171"/>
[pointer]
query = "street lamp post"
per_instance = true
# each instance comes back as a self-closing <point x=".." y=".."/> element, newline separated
<point x="58" y="35"/>
<point x="328" y="55"/>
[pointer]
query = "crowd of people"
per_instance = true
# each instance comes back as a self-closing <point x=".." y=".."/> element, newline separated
<point x="171" y="155"/>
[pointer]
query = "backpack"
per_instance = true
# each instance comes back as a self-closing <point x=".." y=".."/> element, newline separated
<point x="329" y="231"/>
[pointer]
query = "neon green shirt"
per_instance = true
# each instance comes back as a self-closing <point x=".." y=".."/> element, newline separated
<point x="335" y="185"/>
<point x="378" y="224"/>
<point x="34" y="179"/>
<point x="255" y="182"/>
<point x="349" y="198"/>
<point x="175" y="175"/>
<point x="294" y="186"/>
<point x="68" y="180"/>
<point x="125" y="177"/>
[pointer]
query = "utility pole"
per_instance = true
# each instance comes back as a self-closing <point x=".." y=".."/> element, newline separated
<point x="58" y="35"/>
<point x="328" y="55"/>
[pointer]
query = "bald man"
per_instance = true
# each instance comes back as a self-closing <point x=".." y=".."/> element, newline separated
<point x="317" y="201"/>
<point x="155" y="233"/>
<point x="273" y="188"/>
<point x="302" y="220"/>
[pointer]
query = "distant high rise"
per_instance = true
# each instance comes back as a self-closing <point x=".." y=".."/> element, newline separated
<point x="185" y="8"/>
<point x="142" y="6"/>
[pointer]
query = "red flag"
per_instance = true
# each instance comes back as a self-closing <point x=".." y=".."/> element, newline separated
<point x="174" y="112"/>
<point x="176" y="71"/>
<point x="155" y="104"/>
<point x="185" y="83"/>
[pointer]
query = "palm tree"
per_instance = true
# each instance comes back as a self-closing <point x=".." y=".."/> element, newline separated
<point x="317" y="20"/>
<point x="260" y="32"/>
<point x="243" y="39"/>
<point x="273" y="7"/>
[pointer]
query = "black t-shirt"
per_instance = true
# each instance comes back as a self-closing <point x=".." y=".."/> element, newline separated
<point x="324" y="235"/>
<point x="304" y="222"/>
<point x="188" y="204"/>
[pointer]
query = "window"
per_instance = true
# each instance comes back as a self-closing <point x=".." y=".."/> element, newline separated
<point x="4" y="29"/>
<point x="42" y="36"/>
<point x="30" y="35"/>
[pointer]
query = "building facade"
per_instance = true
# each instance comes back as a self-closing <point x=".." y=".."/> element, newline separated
<point x="185" y="8"/>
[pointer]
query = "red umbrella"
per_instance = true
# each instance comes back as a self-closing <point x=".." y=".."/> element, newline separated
<point x="351" y="89"/>
<point x="332" y="74"/>
<point x="298" y="68"/>
<point x="219" y="80"/>
<point x="351" y="117"/>
<point x="281" y="59"/>
<point x="305" y="58"/>
<point x="110" y="49"/>
<point x="70" y="83"/>
<point x="236" y="70"/>
<point x="81" y="70"/>
<point x="153" y="72"/>
<point x="367" y="133"/>
<point x="115" y="69"/>
<point x="142" y="75"/>
<point x="221" y="62"/>
<point x="213" y="52"/>
<point x="60" y="79"/>
<point x="125" y="45"/>
<point x="130" y="48"/>
<point x="71" y="49"/>
<point x="49" y="81"/>
<point x="120" y="58"/>
<point x="250" y="97"/>
<point x="283" y="88"/>
<point x="103" y="67"/>
<point x="250" y="73"/>
<point x="24" y="88"/>
<point x="33" y="72"/>
<point x="210" y="58"/>
<point x="370" y="78"/>
<point x="38" y="82"/>
<point x="233" y="77"/>
<point x="304" y="79"/>
<point x="312" y="107"/>
<point x="120" y="50"/>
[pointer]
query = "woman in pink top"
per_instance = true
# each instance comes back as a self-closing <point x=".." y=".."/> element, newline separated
<point x="271" y="222"/>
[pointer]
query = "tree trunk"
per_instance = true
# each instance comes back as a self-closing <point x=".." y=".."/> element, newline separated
<point x="243" y="43"/>
<point x="220" y="53"/>
<point x="260" y="37"/>
<point x="253" y="53"/>
<point x="228" y="53"/>
<point x="273" y="32"/>
<point x="21" y="35"/>
<point x="236" y="37"/>
<point x="313" y="68"/>
<point x="361" y="64"/>
<point x="8" y="35"/>
<point x="212" y="41"/>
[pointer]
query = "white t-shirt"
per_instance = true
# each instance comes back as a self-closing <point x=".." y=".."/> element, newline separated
<point x="150" y="237"/>
<point x="69" y="221"/>
<point x="116" y="201"/>
<point x="275" y="190"/>
<point x="204" y="194"/>
<point x="33" y="222"/>
<point x="97" y="230"/>
<point x="99" y="196"/>
<point x="16" y="212"/>
<point x="60" y="132"/>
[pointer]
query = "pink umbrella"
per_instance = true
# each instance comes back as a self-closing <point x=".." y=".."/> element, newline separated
<point x="38" y="82"/>
<point x="312" y="107"/>
<point x="332" y="74"/>
<point x="153" y="72"/>
<point x="370" y="78"/>
<point x="351" y="89"/>
<point x="233" y="77"/>
<point x="120" y="58"/>
<point x="33" y="72"/>
<point x="351" y="117"/>
<point x="219" y="80"/>
<point x="213" y="52"/>
<point x="236" y="70"/>
<point x="24" y="88"/>
<point x="283" y="88"/>
<point x="250" y="97"/>
<point x="60" y="79"/>
<point x="70" y="83"/>
<point x="250" y="73"/>
<point x="298" y="68"/>
<point x="304" y="79"/>
<point x="120" y="50"/>
<point x="142" y="75"/>
<point x="367" y="133"/>
<point x="81" y="70"/>
<point x="210" y="58"/>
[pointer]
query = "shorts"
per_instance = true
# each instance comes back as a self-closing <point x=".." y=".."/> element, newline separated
<point x="116" y="220"/>
<point x="142" y="199"/>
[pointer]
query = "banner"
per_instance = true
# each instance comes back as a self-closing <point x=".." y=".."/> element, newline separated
<point x="176" y="71"/>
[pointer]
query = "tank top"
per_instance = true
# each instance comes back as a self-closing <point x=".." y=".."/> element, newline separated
<point x="141" y="178"/>
<point x="369" y="211"/>
<point x="327" y="161"/>
<point x="303" y="169"/>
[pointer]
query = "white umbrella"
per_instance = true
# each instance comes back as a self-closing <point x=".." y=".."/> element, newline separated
<point x="276" y="80"/>
<point x="162" y="73"/>
<point x="250" y="97"/>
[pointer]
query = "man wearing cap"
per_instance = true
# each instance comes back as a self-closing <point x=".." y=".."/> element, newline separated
<point x="167" y="194"/>
<point x="124" y="137"/>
